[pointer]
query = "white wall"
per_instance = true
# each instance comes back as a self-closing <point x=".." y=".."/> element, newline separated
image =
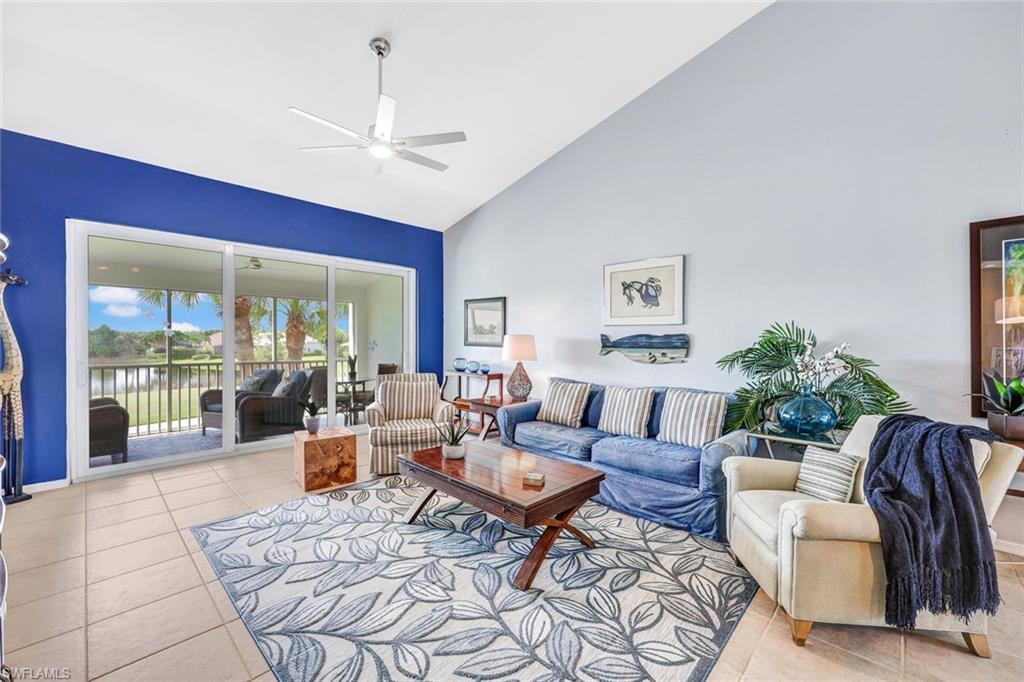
<point x="819" y="164"/>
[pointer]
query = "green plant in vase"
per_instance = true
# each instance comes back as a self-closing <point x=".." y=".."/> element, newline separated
<point x="1004" y="405"/>
<point x="452" y="433"/>
<point x="781" y="365"/>
<point x="312" y="421"/>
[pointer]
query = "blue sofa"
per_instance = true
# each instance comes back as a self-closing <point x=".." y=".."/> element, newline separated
<point x="675" y="485"/>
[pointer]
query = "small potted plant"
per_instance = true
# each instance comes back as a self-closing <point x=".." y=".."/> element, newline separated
<point x="1004" y="403"/>
<point x="452" y="435"/>
<point x="352" y="367"/>
<point x="312" y="421"/>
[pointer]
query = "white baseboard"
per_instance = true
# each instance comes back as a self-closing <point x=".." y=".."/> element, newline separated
<point x="33" y="488"/>
<point x="1010" y="547"/>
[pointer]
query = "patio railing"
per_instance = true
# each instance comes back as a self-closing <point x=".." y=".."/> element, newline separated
<point x="162" y="398"/>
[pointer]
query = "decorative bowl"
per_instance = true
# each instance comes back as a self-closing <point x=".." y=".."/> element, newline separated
<point x="459" y="364"/>
<point x="473" y="366"/>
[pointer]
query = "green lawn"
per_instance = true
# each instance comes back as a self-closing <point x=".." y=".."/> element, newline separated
<point x="150" y="407"/>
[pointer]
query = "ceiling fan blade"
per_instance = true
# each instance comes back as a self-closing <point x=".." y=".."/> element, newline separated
<point x="324" y="122"/>
<point x="332" y="148"/>
<point x="385" y="117"/>
<point x="421" y="160"/>
<point x="428" y="140"/>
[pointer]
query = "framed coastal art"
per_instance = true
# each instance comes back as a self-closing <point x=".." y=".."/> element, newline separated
<point x="644" y="292"/>
<point x="484" y="322"/>
<point x="997" y="302"/>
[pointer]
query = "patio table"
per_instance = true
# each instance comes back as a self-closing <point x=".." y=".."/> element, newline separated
<point x="349" y="386"/>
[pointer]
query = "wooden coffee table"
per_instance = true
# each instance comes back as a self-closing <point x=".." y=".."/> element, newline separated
<point x="491" y="478"/>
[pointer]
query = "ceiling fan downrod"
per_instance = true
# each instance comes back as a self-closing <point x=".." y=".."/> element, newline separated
<point x="382" y="48"/>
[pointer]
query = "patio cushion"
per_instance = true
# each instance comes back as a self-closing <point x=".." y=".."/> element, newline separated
<point x="562" y="440"/>
<point x="667" y="462"/>
<point x="282" y="389"/>
<point x="214" y="407"/>
<point x="298" y="379"/>
<point x="261" y="381"/>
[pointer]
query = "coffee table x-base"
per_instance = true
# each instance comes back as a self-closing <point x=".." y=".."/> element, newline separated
<point x="490" y="477"/>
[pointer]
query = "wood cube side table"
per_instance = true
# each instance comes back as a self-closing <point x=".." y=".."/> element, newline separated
<point x="325" y="460"/>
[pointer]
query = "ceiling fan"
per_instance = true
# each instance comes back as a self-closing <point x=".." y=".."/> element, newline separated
<point x="379" y="140"/>
<point x="253" y="264"/>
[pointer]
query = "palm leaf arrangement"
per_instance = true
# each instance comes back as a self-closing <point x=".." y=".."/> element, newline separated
<point x="782" y="360"/>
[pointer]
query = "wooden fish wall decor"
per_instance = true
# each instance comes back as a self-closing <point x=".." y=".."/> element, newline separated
<point x="650" y="349"/>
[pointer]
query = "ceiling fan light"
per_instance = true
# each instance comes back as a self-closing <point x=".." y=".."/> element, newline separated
<point x="380" y="149"/>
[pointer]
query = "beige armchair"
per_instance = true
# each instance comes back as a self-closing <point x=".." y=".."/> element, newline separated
<point x="402" y="421"/>
<point x="822" y="561"/>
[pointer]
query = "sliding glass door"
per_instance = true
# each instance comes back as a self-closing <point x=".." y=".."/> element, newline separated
<point x="370" y="336"/>
<point x="280" y="344"/>
<point x="182" y="347"/>
<point x="154" y="338"/>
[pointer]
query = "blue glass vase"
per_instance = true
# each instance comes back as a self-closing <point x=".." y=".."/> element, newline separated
<point x="807" y="414"/>
<point x="485" y="368"/>
<point x="459" y="364"/>
<point x="473" y="366"/>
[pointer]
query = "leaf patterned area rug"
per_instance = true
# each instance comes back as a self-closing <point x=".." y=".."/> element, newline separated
<point x="335" y="587"/>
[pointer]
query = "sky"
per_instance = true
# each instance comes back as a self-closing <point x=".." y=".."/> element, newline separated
<point x="120" y="308"/>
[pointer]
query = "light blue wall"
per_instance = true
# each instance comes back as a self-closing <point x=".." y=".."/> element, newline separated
<point x="43" y="182"/>
<point x="820" y="164"/>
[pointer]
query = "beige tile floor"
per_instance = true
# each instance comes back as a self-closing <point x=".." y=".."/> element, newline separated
<point x="107" y="582"/>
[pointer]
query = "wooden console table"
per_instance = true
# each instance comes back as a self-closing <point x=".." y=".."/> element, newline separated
<point x="488" y="408"/>
<point x="463" y="402"/>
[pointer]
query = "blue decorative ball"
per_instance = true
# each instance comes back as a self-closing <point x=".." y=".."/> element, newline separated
<point x="485" y="368"/>
<point x="473" y="366"/>
<point x="460" y="364"/>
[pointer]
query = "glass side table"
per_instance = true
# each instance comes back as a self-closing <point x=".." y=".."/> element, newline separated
<point x="770" y="432"/>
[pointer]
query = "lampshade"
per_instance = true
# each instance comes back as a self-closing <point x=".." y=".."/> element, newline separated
<point x="518" y="347"/>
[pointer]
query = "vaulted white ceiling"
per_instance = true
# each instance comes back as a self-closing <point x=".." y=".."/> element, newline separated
<point x="204" y="88"/>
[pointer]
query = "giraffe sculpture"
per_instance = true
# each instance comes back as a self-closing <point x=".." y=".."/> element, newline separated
<point x="12" y="446"/>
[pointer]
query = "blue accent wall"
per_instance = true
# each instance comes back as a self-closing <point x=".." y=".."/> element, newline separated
<point x="43" y="182"/>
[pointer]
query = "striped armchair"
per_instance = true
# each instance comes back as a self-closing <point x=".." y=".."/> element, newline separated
<point x="402" y="418"/>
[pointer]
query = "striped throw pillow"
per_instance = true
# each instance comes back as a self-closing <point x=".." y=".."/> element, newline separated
<point x="626" y="410"/>
<point x="564" y="403"/>
<point x="827" y="475"/>
<point x="691" y="418"/>
<point x="408" y="399"/>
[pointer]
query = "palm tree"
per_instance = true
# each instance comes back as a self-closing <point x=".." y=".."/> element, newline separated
<point x="250" y="311"/>
<point x="158" y="297"/>
<point x="301" y="317"/>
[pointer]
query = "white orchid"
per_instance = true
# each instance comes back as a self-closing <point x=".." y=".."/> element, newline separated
<point x="816" y="371"/>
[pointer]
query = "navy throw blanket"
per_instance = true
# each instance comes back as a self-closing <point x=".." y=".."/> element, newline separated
<point x="920" y="482"/>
